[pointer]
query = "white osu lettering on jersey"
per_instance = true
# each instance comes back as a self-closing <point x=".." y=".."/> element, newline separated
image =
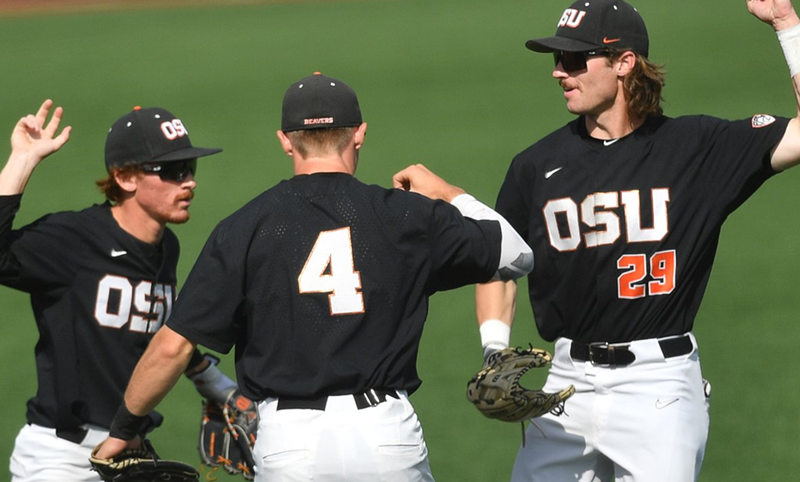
<point x="173" y="129"/>
<point x="596" y="212"/>
<point x="134" y="304"/>
<point x="640" y="275"/>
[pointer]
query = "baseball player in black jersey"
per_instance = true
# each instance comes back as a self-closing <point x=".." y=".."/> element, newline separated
<point x="623" y="208"/>
<point x="322" y="284"/>
<point x="101" y="281"/>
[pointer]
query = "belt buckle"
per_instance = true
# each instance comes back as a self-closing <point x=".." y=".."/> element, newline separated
<point x="597" y="350"/>
<point x="368" y="398"/>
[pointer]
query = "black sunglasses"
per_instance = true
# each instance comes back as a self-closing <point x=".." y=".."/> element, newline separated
<point x="172" y="171"/>
<point x="574" y="61"/>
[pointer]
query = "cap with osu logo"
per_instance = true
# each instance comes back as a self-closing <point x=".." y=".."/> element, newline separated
<point x="597" y="24"/>
<point x="150" y="135"/>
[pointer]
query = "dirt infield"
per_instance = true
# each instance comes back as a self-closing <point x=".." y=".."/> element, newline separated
<point x="10" y="8"/>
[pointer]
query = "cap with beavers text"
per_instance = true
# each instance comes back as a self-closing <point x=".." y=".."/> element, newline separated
<point x="147" y="135"/>
<point x="597" y="24"/>
<point x="317" y="102"/>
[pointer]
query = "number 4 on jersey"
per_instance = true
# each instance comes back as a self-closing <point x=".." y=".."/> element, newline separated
<point x="329" y="269"/>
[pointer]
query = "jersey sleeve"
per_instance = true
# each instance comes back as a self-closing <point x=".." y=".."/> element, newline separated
<point x="739" y="157"/>
<point x="512" y="203"/>
<point x="35" y="254"/>
<point x="464" y="250"/>
<point x="207" y="305"/>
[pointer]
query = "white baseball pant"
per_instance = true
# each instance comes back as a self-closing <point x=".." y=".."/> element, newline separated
<point x="342" y="442"/>
<point x="41" y="456"/>
<point x="644" y="422"/>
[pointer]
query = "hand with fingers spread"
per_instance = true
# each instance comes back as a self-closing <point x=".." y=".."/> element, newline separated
<point x="35" y="136"/>
<point x="33" y="139"/>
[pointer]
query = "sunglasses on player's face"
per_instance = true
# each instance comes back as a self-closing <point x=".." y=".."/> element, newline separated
<point x="172" y="171"/>
<point x="575" y="61"/>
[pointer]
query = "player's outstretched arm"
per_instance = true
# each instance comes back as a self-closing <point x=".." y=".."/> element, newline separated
<point x="32" y="139"/>
<point x="516" y="257"/>
<point x="781" y="15"/>
<point x="159" y="368"/>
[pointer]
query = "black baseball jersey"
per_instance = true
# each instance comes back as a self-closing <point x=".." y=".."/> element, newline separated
<point x="322" y="284"/>
<point x="98" y="295"/>
<point x="624" y="232"/>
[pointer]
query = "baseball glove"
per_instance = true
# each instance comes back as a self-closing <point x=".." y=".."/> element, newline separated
<point x="496" y="391"/>
<point x="141" y="465"/>
<point x="228" y="433"/>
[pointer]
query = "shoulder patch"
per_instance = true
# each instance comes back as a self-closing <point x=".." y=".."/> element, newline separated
<point x="761" y="120"/>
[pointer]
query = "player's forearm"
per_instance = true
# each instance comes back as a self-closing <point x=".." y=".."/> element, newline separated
<point x="16" y="173"/>
<point x="158" y="370"/>
<point x="787" y="153"/>
<point x="495" y="304"/>
<point x="496" y="300"/>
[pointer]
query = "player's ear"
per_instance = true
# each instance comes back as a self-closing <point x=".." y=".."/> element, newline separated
<point x="625" y="63"/>
<point x="126" y="180"/>
<point x="286" y="143"/>
<point x="359" y="135"/>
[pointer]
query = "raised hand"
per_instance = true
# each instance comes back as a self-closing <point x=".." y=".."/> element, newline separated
<point x="418" y="178"/>
<point x="33" y="139"/>
<point x="34" y="136"/>
<point x="778" y="13"/>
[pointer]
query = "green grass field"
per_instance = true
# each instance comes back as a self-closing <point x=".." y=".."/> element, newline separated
<point x="444" y="82"/>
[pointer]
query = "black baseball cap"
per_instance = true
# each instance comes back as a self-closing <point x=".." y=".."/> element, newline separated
<point x="148" y="135"/>
<point x="318" y="102"/>
<point x="597" y="24"/>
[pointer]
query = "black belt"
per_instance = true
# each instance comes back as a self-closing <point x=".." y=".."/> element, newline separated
<point x="369" y="398"/>
<point x="74" y="435"/>
<point x="621" y="355"/>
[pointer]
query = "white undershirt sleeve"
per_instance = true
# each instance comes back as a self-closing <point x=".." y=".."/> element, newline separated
<point x="516" y="257"/>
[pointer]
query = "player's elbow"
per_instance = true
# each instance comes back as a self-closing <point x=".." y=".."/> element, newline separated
<point x="168" y="344"/>
<point x="518" y="265"/>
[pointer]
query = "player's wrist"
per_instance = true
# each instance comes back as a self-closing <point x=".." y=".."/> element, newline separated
<point x="127" y="425"/>
<point x="451" y="192"/>
<point x="495" y="336"/>
<point x="212" y="384"/>
<point x="789" y="38"/>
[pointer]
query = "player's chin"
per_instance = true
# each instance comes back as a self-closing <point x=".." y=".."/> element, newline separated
<point x="179" y="216"/>
<point x="574" y="108"/>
